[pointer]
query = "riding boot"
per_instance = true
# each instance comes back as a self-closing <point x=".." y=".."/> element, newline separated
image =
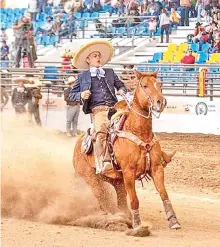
<point x="167" y="158"/>
<point x="103" y="158"/>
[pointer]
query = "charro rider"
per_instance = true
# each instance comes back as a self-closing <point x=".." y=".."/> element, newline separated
<point x="95" y="87"/>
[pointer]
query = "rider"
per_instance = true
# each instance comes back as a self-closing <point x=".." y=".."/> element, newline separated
<point x="95" y="87"/>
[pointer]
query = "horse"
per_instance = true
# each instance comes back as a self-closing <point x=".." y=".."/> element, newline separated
<point x="137" y="152"/>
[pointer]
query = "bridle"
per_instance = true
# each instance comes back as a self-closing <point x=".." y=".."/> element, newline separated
<point x="150" y="112"/>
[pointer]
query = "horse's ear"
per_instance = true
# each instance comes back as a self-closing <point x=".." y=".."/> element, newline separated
<point x="138" y="74"/>
<point x="154" y="74"/>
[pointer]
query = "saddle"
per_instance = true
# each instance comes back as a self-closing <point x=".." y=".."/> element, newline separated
<point x="117" y="121"/>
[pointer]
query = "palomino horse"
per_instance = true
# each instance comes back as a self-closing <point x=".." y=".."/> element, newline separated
<point x="135" y="154"/>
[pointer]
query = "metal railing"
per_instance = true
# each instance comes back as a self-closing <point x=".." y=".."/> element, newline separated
<point x="176" y="80"/>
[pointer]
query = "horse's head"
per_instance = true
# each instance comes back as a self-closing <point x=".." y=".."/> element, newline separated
<point x="148" y="92"/>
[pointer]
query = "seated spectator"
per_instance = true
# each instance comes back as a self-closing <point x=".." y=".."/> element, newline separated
<point x="4" y="51"/>
<point x="132" y="7"/>
<point x="144" y="6"/>
<point x="152" y="27"/>
<point x="3" y="35"/>
<point x="188" y="58"/>
<point x="56" y="25"/>
<point x="208" y="18"/>
<point x="215" y="48"/>
<point x="174" y="17"/>
<point x="153" y="8"/>
<point x="68" y="27"/>
<point x="46" y="27"/>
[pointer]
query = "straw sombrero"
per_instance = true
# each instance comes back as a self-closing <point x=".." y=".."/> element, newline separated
<point x="70" y="80"/>
<point x="27" y="15"/>
<point x="24" y="79"/>
<point x="36" y="83"/>
<point x="102" y="46"/>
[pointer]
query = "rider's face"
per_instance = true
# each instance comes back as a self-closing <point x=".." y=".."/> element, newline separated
<point x="94" y="59"/>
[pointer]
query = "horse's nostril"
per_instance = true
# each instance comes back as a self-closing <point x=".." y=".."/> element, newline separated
<point x="159" y="102"/>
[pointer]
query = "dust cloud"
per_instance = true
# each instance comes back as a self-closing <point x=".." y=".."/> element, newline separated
<point x="39" y="183"/>
<point x="38" y="180"/>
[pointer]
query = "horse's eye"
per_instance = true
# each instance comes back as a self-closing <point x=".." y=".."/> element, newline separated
<point x="144" y="86"/>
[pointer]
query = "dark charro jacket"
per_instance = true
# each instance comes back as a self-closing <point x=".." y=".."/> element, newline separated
<point x="84" y="82"/>
<point x="20" y="98"/>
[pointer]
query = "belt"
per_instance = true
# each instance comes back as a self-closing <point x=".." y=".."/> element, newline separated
<point x="73" y="103"/>
<point x="100" y="108"/>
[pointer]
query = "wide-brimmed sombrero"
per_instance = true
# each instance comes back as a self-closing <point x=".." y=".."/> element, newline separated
<point x="23" y="79"/>
<point x="35" y="83"/>
<point x="102" y="46"/>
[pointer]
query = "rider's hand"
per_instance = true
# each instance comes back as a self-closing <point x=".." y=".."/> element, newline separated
<point x="86" y="94"/>
<point x="121" y="92"/>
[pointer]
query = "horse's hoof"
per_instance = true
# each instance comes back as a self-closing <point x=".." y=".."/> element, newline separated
<point x="174" y="224"/>
<point x="140" y="231"/>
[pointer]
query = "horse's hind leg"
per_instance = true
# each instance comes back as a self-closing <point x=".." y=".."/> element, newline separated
<point x="101" y="191"/>
<point x="157" y="173"/>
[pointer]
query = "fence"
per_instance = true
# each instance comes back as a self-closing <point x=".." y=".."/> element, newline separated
<point x="176" y="80"/>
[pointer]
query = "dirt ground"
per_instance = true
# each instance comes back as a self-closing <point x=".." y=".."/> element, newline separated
<point x="40" y="195"/>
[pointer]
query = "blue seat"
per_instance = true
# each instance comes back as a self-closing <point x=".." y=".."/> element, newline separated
<point x="95" y="15"/>
<point x="195" y="47"/>
<point x="17" y="11"/>
<point x="38" y="40"/>
<point x="203" y="57"/>
<point x="121" y="31"/>
<point x="205" y="47"/>
<point x="78" y="15"/>
<point x="23" y="10"/>
<point x="48" y="10"/>
<point x="53" y="40"/>
<point x="45" y="40"/>
<point x="86" y="15"/>
<point x="106" y="8"/>
<point x="3" y="18"/>
<point x="50" y="70"/>
<point x="156" y="57"/>
<point x="2" y="11"/>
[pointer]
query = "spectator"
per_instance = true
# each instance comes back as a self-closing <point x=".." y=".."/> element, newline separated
<point x="33" y="9"/>
<point x="42" y="5"/>
<point x="73" y="108"/>
<point x="56" y="28"/>
<point x="4" y="97"/>
<point x="208" y="18"/>
<point x="165" y="25"/>
<point x="68" y="27"/>
<point x="3" y="35"/>
<point x="153" y="8"/>
<point x="46" y="27"/>
<point x="186" y="6"/>
<point x="174" y="18"/>
<point x="132" y="7"/>
<point x="188" y="58"/>
<point x="20" y="96"/>
<point x="215" y="48"/>
<point x="152" y="27"/>
<point x="4" y="51"/>
<point x="33" y="102"/>
<point x="23" y="30"/>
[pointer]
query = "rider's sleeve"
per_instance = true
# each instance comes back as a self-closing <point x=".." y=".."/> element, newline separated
<point x="118" y="83"/>
<point x="75" y="94"/>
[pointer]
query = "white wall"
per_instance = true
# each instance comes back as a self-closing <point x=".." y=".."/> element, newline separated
<point x="17" y="4"/>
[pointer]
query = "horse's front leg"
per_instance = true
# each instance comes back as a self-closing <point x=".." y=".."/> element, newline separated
<point x="157" y="173"/>
<point x="129" y="181"/>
